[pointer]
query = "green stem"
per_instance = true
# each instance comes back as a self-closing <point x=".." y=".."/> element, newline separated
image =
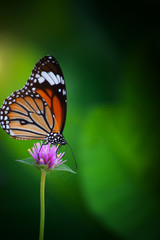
<point x="42" y="205"/>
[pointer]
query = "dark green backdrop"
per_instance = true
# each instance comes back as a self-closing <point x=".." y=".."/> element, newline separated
<point x="109" y="53"/>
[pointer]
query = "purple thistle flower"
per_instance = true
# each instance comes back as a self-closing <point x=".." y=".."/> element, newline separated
<point x="47" y="155"/>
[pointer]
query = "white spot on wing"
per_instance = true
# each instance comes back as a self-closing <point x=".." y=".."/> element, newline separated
<point x="58" y="78"/>
<point x="48" y="77"/>
<point x="41" y="80"/>
<point x="62" y="80"/>
<point x="52" y="75"/>
<point x="64" y="92"/>
<point x="11" y="133"/>
<point x="37" y="76"/>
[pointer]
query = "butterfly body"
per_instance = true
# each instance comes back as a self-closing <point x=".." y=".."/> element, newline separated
<point x="56" y="138"/>
<point x="38" y="110"/>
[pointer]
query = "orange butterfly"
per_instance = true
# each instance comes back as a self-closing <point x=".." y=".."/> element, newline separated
<point x="38" y="110"/>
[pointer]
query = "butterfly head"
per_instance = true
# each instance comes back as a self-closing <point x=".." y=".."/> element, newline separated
<point x="56" y="138"/>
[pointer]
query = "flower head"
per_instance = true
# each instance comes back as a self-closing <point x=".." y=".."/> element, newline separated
<point x="47" y="155"/>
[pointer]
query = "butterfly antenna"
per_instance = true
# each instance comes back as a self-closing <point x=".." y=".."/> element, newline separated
<point x="43" y="143"/>
<point x="72" y="155"/>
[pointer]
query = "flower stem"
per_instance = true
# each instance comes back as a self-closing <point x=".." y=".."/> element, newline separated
<point x="42" y="205"/>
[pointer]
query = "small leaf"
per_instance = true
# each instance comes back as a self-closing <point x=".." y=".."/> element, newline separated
<point x="63" y="167"/>
<point x="29" y="161"/>
<point x="39" y="166"/>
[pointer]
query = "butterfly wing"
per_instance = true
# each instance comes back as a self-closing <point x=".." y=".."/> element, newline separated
<point x="50" y="85"/>
<point x="40" y="106"/>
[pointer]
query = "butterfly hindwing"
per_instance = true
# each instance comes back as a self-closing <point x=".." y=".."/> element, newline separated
<point x="28" y="117"/>
<point x="39" y="108"/>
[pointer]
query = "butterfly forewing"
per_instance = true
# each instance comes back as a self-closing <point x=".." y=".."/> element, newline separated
<point x="47" y="80"/>
<point x="39" y="108"/>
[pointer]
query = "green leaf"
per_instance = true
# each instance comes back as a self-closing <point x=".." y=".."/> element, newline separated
<point x="63" y="167"/>
<point x="29" y="161"/>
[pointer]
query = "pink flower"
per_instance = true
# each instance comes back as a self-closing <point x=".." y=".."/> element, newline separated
<point x="47" y="155"/>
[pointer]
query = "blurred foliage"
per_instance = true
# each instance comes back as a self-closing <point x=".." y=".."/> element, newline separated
<point x="109" y="55"/>
<point x="120" y="162"/>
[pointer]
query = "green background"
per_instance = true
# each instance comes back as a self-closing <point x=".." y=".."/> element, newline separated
<point x="109" y="53"/>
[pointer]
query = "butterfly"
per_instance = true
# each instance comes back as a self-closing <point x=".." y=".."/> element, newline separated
<point x="38" y="110"/>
